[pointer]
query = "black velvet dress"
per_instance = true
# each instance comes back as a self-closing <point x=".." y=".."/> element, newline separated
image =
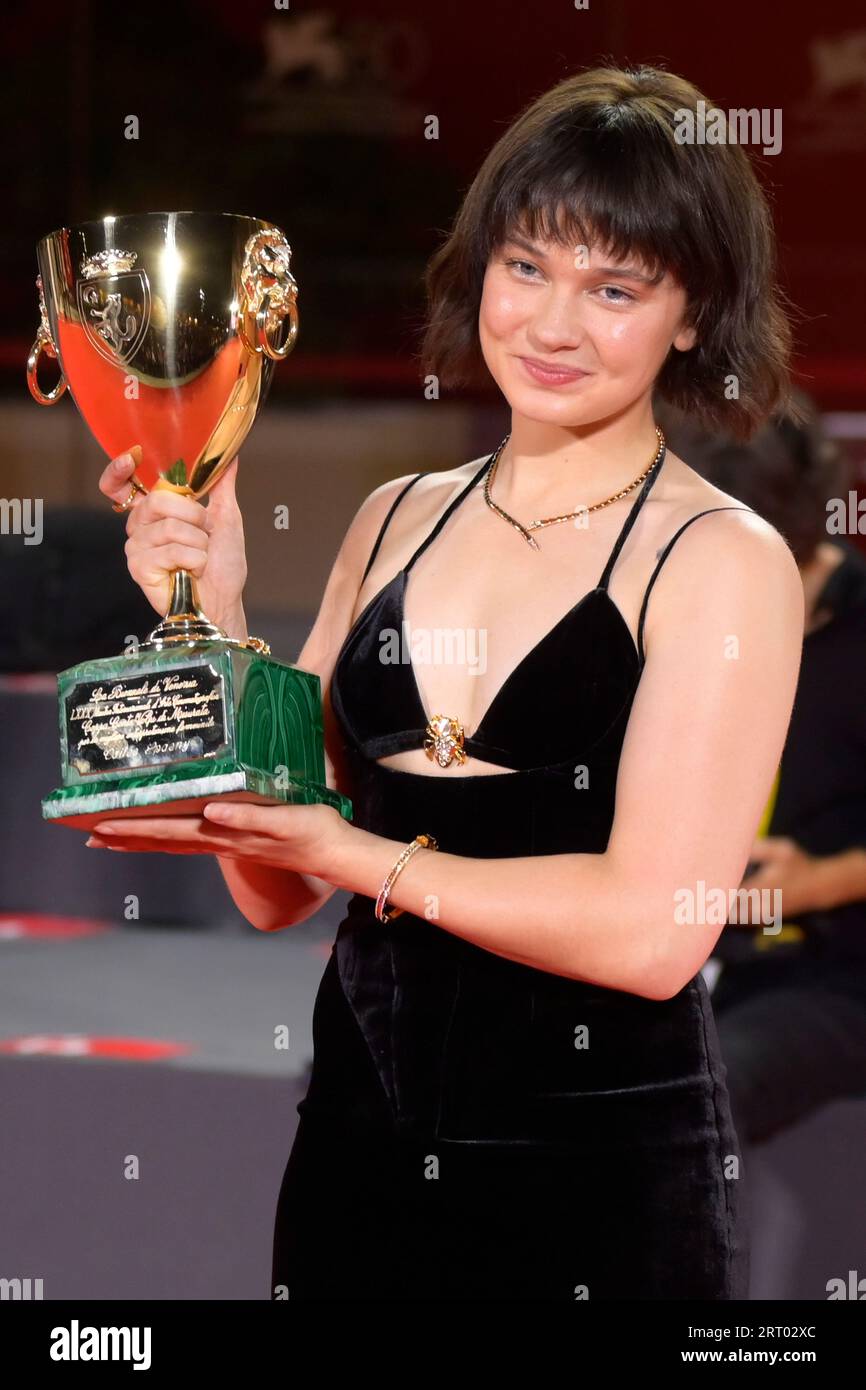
<point x="475" y="1128"/>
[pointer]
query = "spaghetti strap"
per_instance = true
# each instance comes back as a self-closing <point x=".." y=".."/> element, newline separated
<point x="663" y="556"/>
<point x="631" y="518"/>
<point x="383" y="528"/>
<point x="448" y="510"/>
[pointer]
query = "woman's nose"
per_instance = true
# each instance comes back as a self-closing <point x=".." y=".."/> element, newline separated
<point x="558" y="321"/>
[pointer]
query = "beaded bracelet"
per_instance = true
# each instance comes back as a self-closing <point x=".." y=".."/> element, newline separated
<point x="420" y="842"/>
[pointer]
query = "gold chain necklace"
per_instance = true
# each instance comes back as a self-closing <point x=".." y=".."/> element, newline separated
<point x="552" y="520"/>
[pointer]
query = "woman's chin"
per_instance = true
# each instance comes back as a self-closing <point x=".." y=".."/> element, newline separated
<point x="550" y="406"/>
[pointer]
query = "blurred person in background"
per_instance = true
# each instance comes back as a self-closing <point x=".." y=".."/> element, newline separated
<point x="790" y="1003"/>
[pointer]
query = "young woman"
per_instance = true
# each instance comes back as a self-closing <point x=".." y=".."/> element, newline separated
<point x="517" y="1090"/>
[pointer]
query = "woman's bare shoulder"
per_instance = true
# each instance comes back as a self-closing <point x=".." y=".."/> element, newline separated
<point x="687" y="496"/>
<point x="426" y="495"/>
<point x="450" y="480"/>
<point x="690" y="491"/>
<point x="429" y="493"/>
<point x="437" y="483"/>
<point x="737" y="552"/>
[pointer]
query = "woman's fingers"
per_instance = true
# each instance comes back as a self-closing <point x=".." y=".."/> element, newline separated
<point x="223" y="496"/>
<point x="160" y="505"/>
<point x="256" y="820"/>
<point x="166" y="529"/>
<point x="166" y="834"/>
<point x="158" y="827"/>
<point x="162" y="559"/>
<point x="220" y="818"/>
<point x="220" y="822"/>
<point x="114" y="480"/>
<point x="283" y="836"/>
<point x="153" y="846"/>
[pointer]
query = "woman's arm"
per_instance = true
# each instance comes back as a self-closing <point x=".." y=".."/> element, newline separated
<point x="272" y="898"/>
<point x="707" y="727"/>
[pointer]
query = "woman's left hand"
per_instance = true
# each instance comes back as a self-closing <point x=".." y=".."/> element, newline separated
<point x="301" y="838"/>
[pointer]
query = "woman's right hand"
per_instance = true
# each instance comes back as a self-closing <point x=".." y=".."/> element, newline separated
<point x="166" y="531"/>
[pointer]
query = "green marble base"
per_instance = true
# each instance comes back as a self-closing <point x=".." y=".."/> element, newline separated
<point x="164" y="732"/>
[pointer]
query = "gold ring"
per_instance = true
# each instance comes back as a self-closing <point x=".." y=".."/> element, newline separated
<point x="127" y="502"/>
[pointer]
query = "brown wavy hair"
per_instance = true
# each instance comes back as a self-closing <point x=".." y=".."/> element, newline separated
<point x="596" y="159"/>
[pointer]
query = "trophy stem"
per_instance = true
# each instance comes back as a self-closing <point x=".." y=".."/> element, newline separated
<point x="185" y="621"/>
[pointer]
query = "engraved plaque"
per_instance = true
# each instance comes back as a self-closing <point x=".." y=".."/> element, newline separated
<point x="145" y="720"/>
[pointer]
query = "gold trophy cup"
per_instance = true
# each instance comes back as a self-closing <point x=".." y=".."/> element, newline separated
<point x="166" y="327"/>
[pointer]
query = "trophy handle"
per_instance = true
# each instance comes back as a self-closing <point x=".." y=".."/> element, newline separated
<point x="271" y="347"/>
<point x="270" y="294"/>
<point x="43" y="344"/>
<point x="254" y="329"/>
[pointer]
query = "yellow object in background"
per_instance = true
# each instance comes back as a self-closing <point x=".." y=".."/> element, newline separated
<point x="788" y="931"/>
<point x="767" y="817"/>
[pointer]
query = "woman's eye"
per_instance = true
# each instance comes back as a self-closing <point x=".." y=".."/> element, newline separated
<point x="528" y="271"/>
<point x="527" y="264"/>
<point x="615" y="289"/>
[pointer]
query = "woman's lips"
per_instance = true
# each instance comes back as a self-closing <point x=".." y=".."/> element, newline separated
<point x="551" y="376"/>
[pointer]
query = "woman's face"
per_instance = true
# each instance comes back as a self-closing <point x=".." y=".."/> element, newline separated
<point x="579" y="310"/>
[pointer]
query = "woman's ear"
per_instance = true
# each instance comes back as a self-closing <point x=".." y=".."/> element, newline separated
<point x="685" y="339"/>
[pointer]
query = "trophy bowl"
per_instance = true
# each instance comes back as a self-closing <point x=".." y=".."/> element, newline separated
<point x="166" y="327"/>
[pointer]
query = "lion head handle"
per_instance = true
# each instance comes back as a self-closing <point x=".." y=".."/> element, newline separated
<point x="270" y="293"/>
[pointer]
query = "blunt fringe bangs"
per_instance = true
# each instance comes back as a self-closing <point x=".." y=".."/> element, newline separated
<point x="595" y="162"/>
